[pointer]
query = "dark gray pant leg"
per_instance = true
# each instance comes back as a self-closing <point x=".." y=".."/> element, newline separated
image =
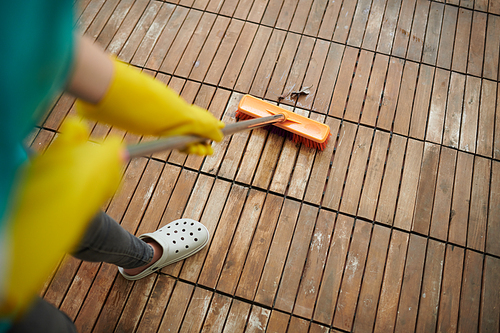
<point x="105" y="240"/>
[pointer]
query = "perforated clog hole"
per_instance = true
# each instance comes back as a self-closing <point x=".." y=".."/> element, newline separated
<point x="192" y="223"/>
<point x="187" y="246"/>
<point x="183" y="230"/>
<point x="168" y="233"/>
<point x="199" y="229"/>
<point x="176" y="251"/>
<point x="182" y="238"/>
<point x="190" y="234"/>
<point x="196" y="239"/>
<point x="177" y="223"/>
<point x="175" y="231"/>
<point x="185" y="222"/>
<point x="173" y="242"/>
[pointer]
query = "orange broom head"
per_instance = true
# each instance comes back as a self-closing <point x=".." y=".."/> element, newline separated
<point x="296" y="127"/>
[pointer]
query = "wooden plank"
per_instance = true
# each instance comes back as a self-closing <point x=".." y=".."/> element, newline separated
<point x="443" y="195"/>
<point x="409" y="184"/>
<point x="277" y="255"/>
<point x="403" y="31"/>
<point x="200" y="67"/>
<point x="410" y="290"/>
<point x="297" y="255"/>
<point x="282" y="68"/>
<point x="435" y="121"/>
<point x="391" y="283"/>
<point x="303" y="166"/>
<point x="271" y="14"/>
<point x="237" y="317"/>
<point x="257" y="11"/>
<point x="223" y="54"/>
<point x="220" y="240"/>
<point x="332" y="276"/>
<point x="311" y="276"/>
<point x="389" y="23"/>
<point x="390" y="182"/>
<point x="286" y="163"/>
<point x="329" y="21"/>
<point x="242" y="81"/>
<point x="373" y="179"/>
<point x="355" y="175"/>
<point x="314" y="73"/>
<point x="431" y="287"/>
<point x="486" y="122"/>
<point x="374" y="24"/>
<point x="286" y="14"/>
<point x="494" y="7"/>
<point x="450" y="290"/>
<point x="327" y="82"/>
<point x="353" y="273"/>
<point x="372" y="280"/>
<point x="196" y="311"/>
<point x="359" y="22"/>
<point x="260" y="219"/>
<point x="492" y="48"/>
<point x="152" y="35"/>
<point x="476" y="47"/>
<point x="433" y="33"/>
<point x="172" y="318"/>
<point x="101" y="18"/>
<point x="478" y="216"/>
<point x="467" y="3"/>
<point x="180" y="42"/>
<point x="468" y="317"/>
<point x="127" y="26"/>
<point x="278" y="322"/>
<point x="451" y="133"/>
<point x="375" y="89"/>
<point x="344" y="22"/>
<point x="389" y="98"/>
<point x="217" y="314"/>
<point x="297" y="72"/>
<point x="447" y="40"/>
<point x="299" y="19"/>
<point x="88" y="14"/>
<point x="470" y="114"/>
<point x="157" y="303"/>
<point x="198" y="40"/>
<point x="460" y="51"/>
<point x="358" y="87"/>
<point x="420" y="19"/>
<point x="59" y="112"/>
<point x="321" y="166"/>
<point x="258" y="319"/>
<point x="457" y="233"/>
<point x="140" y="30"/>
<point x="421" y="102"/>
<point x="54" y="293"/>
<point x="298" y="325"/>
<point x="341" y="92"/>
<point x="315" y="17"/>
<point x="268" y="161"/>
<point x="115" y="21"/>
<point x="490" y="300"/>
<point x="238" y="56"/>
<point x="341" y="157"/>
<point x="402" y="114"/>
<point x="426" y="189"/>
<point x="266" y="67"/>
<point x="492" y="246"/>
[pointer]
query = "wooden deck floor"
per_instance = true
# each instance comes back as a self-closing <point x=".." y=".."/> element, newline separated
<point x="393" y="227"/>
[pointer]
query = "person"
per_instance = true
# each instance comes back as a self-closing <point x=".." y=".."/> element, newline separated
<point x="49" y="205"/>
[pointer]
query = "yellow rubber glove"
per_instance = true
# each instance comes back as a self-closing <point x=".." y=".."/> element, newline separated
<point x="138" y="103"/>
<point x="59" y="193"/>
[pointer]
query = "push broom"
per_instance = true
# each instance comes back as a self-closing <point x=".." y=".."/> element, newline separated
<point x="254" y="113"/>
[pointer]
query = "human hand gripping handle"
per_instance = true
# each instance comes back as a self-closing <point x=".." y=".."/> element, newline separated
<point x="138" y="103"/>
<point x="59" y="193"/>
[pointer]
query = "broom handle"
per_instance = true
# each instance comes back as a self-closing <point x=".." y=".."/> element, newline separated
<point x="179" y="142"/>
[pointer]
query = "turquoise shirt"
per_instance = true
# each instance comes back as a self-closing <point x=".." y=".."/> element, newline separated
<point x="36" y="37"/>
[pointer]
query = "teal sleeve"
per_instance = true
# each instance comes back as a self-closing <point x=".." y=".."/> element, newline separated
<point x="36" y="57"/>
